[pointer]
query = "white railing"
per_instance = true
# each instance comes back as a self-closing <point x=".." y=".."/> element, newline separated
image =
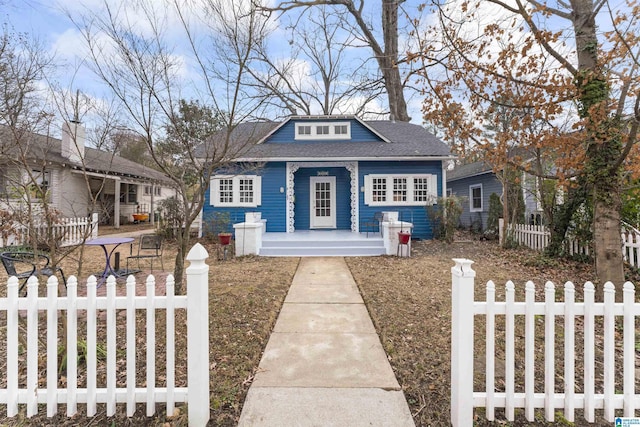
<point x="618" y="336"/>
<point x="69" y="231"/>
<point x="82" y="313"/>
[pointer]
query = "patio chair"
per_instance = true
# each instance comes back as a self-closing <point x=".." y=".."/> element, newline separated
<point x="373" y="224"/>
<point x="149" y="248"/>
<point x="32" y="265"/>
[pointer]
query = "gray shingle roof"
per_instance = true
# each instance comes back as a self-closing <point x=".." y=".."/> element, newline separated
<point x="406" y="140"/>
<point x="468" y="170"/>
<point x="95" y="160"/>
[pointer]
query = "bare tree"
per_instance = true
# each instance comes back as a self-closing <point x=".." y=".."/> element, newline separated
<point x="385" y="51"/>
<point x="321" y="74"/>
<point x="134" y="58"/>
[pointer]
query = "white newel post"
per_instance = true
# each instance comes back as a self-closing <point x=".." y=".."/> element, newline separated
<point x="462" y="287"/>
<point x="198" y="336"/>
<point x="248" y="237"/>
<point x="390" y="230"/>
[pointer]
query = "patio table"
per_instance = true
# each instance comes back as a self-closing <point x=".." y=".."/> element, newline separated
<point x="103" y="242"/>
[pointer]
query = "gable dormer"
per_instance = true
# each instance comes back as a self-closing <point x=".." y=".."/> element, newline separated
<point x="319" y="129"/>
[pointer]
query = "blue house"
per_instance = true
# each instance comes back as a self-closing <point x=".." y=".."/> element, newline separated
<point x="318" y="173"/>
<point x="475" y="182"/>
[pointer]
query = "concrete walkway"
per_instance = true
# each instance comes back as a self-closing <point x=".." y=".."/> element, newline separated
<point x="324" y="364"/>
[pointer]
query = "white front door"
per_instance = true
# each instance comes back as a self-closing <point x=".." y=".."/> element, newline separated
<point x="323" y="202"/>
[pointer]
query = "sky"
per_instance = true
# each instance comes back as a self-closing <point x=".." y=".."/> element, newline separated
<point x="47" y="21"/>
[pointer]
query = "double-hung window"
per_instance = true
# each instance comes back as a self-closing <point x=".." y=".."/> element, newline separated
<point x="235" y="191"/>
<point x="400" y="189"/>
<point x="475" y="198"/>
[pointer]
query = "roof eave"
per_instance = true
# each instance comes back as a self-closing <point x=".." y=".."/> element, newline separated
<point x="343" y="159"/>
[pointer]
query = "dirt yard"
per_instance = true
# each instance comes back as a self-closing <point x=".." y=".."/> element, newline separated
<point x="408" y="299"/>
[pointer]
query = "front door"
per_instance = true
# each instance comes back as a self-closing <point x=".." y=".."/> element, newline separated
<point x="323" y="202"/>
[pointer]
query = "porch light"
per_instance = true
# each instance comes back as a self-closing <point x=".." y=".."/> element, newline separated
<point x="282" y="189"/>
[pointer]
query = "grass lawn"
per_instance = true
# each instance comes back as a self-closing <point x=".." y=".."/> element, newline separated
<point x="408" y="299"/>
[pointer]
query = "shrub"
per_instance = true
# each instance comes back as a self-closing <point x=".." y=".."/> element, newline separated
<point x="444" y="217"/>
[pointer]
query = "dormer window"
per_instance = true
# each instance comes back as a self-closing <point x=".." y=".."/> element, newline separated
<point x="324" y="130"/>
<point x="341" y="129"/>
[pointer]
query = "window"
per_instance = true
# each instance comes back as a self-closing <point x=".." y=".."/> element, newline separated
<point x="400" y="189"/>
<point x="340" y="129"/>
<point x="157" y="191"/>
<point x="128" y="193"/>
<point x="379" y="190"/>
<point x="41" y="179"/>
<point x="246" y="190"/>
<point x="475" y="198"/>
<point x="232" y="191"/>
<point x="449" y="192"/>
<point x="421" y="189"/>
<point x="323" y="130"/>
<point x="147" y="190"/>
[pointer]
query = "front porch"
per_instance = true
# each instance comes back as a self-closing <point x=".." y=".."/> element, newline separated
<point x="322" y="243"/>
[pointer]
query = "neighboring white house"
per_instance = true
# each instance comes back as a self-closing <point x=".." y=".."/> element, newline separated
<point x="72" y="175"/>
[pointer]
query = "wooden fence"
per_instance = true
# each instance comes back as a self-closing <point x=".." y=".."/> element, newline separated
<point x="618" y="320"/>
<point x="68" y="231"/>
<point x="82" y="313"/>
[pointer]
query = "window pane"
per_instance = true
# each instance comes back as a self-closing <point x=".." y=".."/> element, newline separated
<point x="421" y="189"/>
<point x="399" y="189"/>
<point x="476" y="194"/>
<point x="340" y="129"/>
<point x="246" y="190"/>
<point x="379" y="190"/>
<point x="304" y="130"/>
<point x="322" y="130"/>
<point x="226" y="190"/>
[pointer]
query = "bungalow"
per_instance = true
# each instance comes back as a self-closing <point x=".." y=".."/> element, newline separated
<point x="71" y="176"/>
<point x="319" y="173"/>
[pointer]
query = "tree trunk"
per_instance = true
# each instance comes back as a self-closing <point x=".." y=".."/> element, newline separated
<point x="389" y="62"/>
<point x="603" y="148"/>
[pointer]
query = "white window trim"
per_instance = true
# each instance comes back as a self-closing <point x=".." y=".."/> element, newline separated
<point x="331" y="135"/>
<point x="432" y="188"/>
<point x="214" y="193"/>
<point x="471" y="188"/>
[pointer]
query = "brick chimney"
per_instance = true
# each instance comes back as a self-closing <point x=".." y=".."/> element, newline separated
<point x="73" y="137"/>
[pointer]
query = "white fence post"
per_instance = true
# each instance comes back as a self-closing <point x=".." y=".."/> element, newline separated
<point x="462" y="343"/>
<point x="198" y="336"/>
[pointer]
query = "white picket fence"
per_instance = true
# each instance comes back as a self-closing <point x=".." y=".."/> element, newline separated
<point x="463" y="396"/>
<point x="69" y="231"/>
<point x="538" y="237"/>
<point x="80" y="309"/>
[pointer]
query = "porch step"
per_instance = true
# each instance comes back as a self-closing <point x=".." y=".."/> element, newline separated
<point x="372" y="246"/>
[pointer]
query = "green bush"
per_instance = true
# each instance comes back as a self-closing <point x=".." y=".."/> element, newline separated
<point x="445" y="217"/>
<point x="495" y="213"/>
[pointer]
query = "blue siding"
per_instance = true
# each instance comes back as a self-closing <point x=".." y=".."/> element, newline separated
<point x="343" y="197"/>
<point x="273" y="207"/>
<point x="460" y="188"/>
<point x="416" y="214"/>
<point x="286" y="134"/>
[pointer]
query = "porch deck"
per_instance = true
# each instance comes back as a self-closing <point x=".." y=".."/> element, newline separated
<point x="322" y="243"/>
